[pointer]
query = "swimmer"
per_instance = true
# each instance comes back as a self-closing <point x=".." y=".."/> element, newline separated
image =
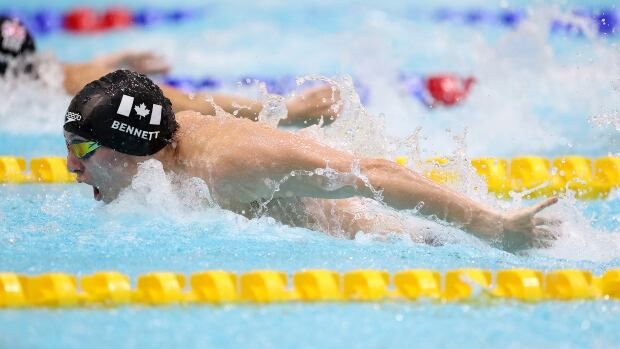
<point x="124" y="119"/>
<point x="17" y="54"/>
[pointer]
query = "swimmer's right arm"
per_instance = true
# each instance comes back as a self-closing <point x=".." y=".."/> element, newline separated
<point x="79" y="74"/>
<point x="205" y="103"/>
<point x="309" y="107"/>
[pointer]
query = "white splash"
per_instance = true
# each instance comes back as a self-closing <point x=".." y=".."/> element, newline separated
<point x="34" y="105"/>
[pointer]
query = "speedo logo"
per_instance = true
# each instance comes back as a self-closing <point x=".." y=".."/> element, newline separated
<point x="70" y="117"/>
<point x="141" y="110"/>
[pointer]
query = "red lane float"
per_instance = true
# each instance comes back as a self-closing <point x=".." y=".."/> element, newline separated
<point x="86" y="20"/>
<point x="82" y="20"/>
<point x="116" y="18"/>
<point x="448" y="89"/>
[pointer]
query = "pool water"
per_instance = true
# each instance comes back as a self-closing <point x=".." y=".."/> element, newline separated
<point x="536" y="93"/>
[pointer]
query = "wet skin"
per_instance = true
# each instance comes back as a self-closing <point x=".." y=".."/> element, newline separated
<point x="241" y="160"/>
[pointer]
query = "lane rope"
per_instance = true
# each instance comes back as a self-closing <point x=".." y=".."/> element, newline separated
<point x="86" y="20"/>
<point x="111" y="288"/>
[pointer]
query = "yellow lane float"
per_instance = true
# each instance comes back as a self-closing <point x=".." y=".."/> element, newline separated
<point x="522" y="284"/>
<point x="110" y="288"/>
<point x="534" y="176"/>
<point x="52" y="169"/>
<point x="12" y="169"/>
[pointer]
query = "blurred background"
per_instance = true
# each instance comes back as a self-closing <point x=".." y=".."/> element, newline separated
<point x="545" y="73"/>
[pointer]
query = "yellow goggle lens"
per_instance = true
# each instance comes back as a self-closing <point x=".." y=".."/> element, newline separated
<point x="83" y="149"/>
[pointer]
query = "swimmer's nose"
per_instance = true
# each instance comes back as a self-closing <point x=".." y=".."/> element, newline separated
<point x="74" y="164"/>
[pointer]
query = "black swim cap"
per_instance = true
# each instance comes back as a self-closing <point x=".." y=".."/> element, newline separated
<point x="124" y="111"/>
<point x="15" y="41"/>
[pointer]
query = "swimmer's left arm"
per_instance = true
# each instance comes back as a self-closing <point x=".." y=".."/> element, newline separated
<point x="278" y="154"/>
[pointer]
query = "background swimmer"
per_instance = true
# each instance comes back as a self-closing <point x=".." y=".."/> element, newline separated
<point x="18" y="55"/>
<point x="247" y="164"/>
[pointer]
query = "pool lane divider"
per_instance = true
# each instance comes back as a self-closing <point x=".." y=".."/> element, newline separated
<point x="51" y="169"/>
<point x="87" y="20"/>
<point x="111" y="288"/>
<point x="528" y="176"/>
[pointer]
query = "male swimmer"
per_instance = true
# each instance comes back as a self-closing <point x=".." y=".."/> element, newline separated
<point x="17" y="54"/>
<point x="123" y="119"/>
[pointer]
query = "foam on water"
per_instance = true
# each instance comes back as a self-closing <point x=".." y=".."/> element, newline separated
<point x="175" y="201"/>
<point x="167" y="200"/>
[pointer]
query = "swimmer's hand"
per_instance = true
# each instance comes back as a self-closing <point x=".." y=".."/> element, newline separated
<point x="141" y="62"/>
<point x="311" y="105"/>
<point x="522" y="229"/>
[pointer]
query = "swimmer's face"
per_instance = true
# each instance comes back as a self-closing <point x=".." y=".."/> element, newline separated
<point x="106" y="170"/>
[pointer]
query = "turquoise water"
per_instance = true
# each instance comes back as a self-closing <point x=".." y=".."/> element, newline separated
<point x="60" y="228"/>
<point x="543" y="94"/>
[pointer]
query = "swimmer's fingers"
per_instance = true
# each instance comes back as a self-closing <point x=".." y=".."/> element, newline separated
<point x="541" y="233"/>
<point x="544" y="204"/>
<point x="550" y="222"/>
<point x="540" y="244"/>
<point x="542" y="238"/>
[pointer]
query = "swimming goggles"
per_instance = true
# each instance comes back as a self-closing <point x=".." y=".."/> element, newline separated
<point x="83" y="149"/>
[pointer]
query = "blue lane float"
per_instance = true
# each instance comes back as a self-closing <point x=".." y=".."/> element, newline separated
<point x="604" y="20"/>
<point x="607" y="21"/>
<point x="148" y="16"/>
<point x="45" y="21"/>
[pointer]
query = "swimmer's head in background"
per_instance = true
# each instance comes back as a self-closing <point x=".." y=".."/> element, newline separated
<point x="15" y="43"/>
<point x="124" y="111"/>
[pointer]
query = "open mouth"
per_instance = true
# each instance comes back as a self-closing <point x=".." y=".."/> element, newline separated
<point x="96" y="193"/>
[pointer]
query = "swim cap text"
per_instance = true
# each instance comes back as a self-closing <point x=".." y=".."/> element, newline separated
<point x="134" y="131"/>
